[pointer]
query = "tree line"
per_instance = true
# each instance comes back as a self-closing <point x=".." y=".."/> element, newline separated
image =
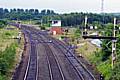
<point x="24" y="14"/>
<point x="70" y="19"/>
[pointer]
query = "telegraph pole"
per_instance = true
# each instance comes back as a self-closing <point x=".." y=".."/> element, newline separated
<point x="114" y="45"/>
<point x="86" y="25"/>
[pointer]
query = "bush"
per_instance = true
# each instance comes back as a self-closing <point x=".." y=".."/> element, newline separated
<point x="77" y="33"/>
<point x="7" y="34"/>
<point x="2" y="77"/>
<point x="3" y="66"/>
<point x="2" y="24"/>
<point x="106" y="69"/>
<point x="42" y="28"/>
<point x="7" y="58"/>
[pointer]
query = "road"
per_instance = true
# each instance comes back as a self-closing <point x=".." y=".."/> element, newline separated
<point x="50" y="59"/>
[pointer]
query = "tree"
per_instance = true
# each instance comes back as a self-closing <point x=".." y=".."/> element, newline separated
<point x="36" y="11"/>
<point x="11" y="10"/>
<point x="6" y="11"/>
<point x="26" y="11"/>
<point x="18" y="10"/>
<point x="52" y="12"/>
<point x="2" y="23"/>
<point x="14" y="10"/>
<point x="1" y="12"/>
<point x="31" y="11"/>
<point x="21" y="10"/>
<point x="48" y="12"/>
<point x="43" y="12"/>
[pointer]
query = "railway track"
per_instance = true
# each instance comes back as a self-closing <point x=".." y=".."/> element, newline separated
<point x="31" y="71"/>
<point x="77" y="65"/>
<point x="84" y="73"/>
<point x="53" y="63"/>
<point x="56" y="69"/>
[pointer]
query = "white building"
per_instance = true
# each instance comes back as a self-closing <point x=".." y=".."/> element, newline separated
<point x="56" y="23"/>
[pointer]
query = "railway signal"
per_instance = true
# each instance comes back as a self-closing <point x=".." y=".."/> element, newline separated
<point x="112" y="38"/>
<point x="114" y="45"/>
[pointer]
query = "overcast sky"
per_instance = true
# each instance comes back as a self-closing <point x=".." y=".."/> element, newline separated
<point x="64" y="6"/>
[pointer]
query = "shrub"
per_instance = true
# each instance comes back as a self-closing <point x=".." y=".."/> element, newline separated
<point x="7" y="34"/>
<point x="7" y="58"/>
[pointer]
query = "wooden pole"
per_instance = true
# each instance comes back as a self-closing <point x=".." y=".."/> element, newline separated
<point x="114" y="45"/>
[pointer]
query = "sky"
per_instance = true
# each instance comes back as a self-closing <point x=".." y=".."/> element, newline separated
<point x="64" y="6"/>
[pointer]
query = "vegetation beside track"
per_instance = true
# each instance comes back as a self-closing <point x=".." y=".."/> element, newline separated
<point x="99" y="57"/>
<point x="9" y="51"/>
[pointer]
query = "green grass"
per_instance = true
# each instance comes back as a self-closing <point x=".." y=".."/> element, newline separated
<point x="6" y="37"/>
<point x="103" y="67"/>
<point x="2" y="77"/>
<point x="95" y="55"/>
<point x="7" y="52"/>
<point x="7" y="59"/>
